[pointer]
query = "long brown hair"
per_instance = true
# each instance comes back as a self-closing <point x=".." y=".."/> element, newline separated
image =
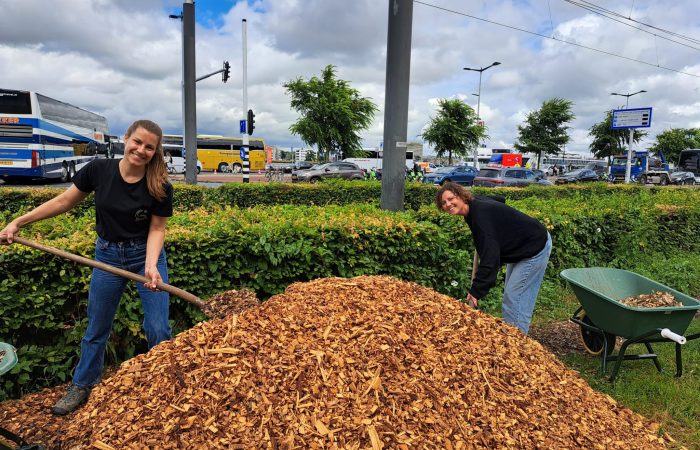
<point x="156" y="170"/>
<point x="457" y="190"/>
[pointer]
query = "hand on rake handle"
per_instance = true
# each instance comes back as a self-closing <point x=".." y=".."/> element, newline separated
<point x="472" y="301"/>
<point x="7" y="234"/>
<point x="152" y="274"/>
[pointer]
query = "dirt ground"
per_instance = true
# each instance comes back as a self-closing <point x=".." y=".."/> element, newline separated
<point x="559" y="338"/>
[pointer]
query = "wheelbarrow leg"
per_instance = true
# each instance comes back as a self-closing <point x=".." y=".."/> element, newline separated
<point x="655" y="358"/>
<point x="618" y="361"/>
<point x="679" y="360"/>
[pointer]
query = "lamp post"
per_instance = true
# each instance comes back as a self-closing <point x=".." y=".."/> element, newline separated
<point x="627" y="104"/>
<point x="478" y="104"/>
<point x="628" y="168"/>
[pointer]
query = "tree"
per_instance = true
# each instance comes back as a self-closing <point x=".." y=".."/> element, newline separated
<point x="454" y="130"/>
<point x="332" y="114"/>
<point x="545" y="130"/>
<point x="608" y="142"/>
<point x="672" y="141"/>
<point x="310" y="156"/>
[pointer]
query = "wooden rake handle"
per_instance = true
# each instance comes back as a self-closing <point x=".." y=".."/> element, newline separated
<point x="111" y="269"/>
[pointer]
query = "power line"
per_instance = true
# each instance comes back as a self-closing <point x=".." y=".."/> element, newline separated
<point x="672" y="33"/>
<point x="595" y="11"/>
<point x="556" y="39"/>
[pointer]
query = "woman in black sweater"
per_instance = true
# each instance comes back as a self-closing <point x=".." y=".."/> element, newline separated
<point x="502" y="235"/>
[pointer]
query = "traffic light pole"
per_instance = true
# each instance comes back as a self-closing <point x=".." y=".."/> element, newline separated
<point x="246" y="142"/>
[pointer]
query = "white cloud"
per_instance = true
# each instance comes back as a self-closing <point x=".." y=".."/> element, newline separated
<point x="122" y="58"/>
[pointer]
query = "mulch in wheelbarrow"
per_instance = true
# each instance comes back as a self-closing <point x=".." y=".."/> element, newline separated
<point x="367" y="362"/>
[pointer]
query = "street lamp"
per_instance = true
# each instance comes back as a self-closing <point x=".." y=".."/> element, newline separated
<point x="478" y="104"/>
<point x="628" y="96"/>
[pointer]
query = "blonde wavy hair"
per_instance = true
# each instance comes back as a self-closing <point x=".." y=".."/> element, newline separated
<point x="156" y="170"/>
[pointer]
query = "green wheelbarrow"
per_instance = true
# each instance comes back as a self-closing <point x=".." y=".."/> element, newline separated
<point x="601" y="317"/>
<point x="9" y="440"/>
<point x="8" y="357"/>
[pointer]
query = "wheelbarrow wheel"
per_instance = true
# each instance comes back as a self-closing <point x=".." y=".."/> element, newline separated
<point x="592" y="341"/>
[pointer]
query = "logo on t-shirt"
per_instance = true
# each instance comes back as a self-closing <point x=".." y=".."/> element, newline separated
<point x="141" y="214"/>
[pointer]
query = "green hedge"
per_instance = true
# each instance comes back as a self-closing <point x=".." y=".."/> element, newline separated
<point x="213" y="249"/>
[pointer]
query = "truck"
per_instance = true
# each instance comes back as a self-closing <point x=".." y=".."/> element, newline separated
<point x="645" y="168"/>
<point x="506" y="160"/>
<point x="689" y="161"/>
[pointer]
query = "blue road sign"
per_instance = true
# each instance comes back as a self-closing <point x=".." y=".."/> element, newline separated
<point x="631" y="118"/>
<point x="244" y="154"/>
<point x="243" y="127"/>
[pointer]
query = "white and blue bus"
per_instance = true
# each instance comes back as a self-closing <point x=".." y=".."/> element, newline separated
<point x="44" y="138"/>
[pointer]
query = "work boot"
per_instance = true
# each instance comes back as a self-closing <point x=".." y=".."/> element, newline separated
<point x="75" y="396"/>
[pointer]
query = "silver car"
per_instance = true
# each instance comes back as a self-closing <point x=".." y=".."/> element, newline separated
<point x="508" y="176"/>
<point x="344" y="170"/>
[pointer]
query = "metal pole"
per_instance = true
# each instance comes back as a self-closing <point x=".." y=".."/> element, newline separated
<point x="478" y="118"/>
<point x="398" y="68"/>
<point x="189" y="92"/>
<point x="246" y="141"/>
<point x="628" y="168"/>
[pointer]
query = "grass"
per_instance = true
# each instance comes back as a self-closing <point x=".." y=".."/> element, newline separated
<point x="669" y="401"/>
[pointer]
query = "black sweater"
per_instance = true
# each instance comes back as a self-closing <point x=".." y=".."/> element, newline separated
<point x="502" y="235"/>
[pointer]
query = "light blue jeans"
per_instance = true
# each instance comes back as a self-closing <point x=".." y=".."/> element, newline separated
<point x="106" y="290"/>
<point x="523" y="281"/>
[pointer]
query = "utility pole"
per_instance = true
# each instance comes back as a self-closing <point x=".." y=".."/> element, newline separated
<point x="398" y="68"/>
<point x="189" y="92"/>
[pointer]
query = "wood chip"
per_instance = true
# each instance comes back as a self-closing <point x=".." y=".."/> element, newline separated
<point x="656" y="299"/>
<point x="370" y="362"/>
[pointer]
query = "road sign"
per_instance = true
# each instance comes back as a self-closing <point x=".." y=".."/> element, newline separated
<point x="243" y="127"/>
<point x="631" y="118"/>
<point x="244" y="154"/>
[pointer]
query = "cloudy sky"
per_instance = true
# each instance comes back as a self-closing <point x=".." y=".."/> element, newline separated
<point x="123" y="59"/>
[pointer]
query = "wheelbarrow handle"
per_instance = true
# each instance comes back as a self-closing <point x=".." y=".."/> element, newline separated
<point x="668" y="334"/>
<point x="111" y="269"/>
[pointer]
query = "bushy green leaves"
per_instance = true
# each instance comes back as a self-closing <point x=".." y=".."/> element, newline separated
<point x="213" y="247"/>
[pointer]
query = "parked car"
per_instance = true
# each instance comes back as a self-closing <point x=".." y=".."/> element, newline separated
<point x="508" y="176"/>
<point x="286" y="167"/>
<point x="458" y="174"/>
<point x="542" y="177"/>
<point x="682" y="177"/>
<point x="345" y="170"/>
<point x="303" y="165"/>
<point x="577" y="176"/>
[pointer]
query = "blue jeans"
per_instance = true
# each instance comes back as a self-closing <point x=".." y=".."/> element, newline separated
<point x="106" y="290"/>
<point x="523" y="280"/>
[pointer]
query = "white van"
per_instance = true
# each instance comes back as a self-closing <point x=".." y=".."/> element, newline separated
<point x="175" y="161"/>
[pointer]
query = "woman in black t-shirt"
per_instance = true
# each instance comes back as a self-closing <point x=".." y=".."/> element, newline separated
<point x="133" y="200"/>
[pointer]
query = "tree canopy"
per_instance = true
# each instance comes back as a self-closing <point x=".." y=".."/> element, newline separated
<point x="545" y="129"/>
<point x="672" y="141"/>
<point x="454" y="130"/>
<point x="332" y="113"/>
<point x="608" y="142"/>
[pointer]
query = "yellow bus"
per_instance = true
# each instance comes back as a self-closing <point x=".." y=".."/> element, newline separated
<point x="223" y="154"/>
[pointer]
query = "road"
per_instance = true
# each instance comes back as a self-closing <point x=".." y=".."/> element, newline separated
<point x="209" y="179"/>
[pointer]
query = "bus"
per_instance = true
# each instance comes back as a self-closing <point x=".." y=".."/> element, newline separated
<point x="373" y="160"/>
<point x="43" y="138"/>
<point x="223" y="154"/>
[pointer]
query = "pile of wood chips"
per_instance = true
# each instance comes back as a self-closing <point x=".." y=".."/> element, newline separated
<point x="368" y="362"/>
<point x="656" y="299"/>
<point x="231" y="302"/>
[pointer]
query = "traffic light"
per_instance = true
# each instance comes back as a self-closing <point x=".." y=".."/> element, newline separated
<point x="250" y="122"/>
<point x="227" y="72"/>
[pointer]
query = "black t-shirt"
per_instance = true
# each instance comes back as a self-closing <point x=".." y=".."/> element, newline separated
<point x="123" y="209"/>
<point x="502" y="235"/>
